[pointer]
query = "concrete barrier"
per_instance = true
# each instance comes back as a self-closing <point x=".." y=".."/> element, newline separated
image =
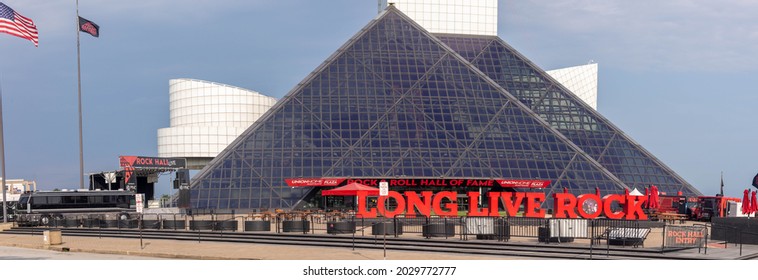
<point x="52" y="237"/>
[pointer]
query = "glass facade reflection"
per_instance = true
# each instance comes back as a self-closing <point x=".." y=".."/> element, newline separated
<point x="396" y="101"/>
<point x="585" y="127"/>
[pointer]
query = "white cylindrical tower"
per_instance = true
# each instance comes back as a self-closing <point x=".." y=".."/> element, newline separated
<point x="205" y="117"/>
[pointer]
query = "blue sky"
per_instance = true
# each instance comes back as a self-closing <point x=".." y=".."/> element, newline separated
<point x="677" y="76"/>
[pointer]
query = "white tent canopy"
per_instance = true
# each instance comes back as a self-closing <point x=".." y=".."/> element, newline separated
<point x="635" y="192"/>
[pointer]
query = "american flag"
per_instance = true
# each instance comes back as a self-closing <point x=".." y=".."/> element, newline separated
<point x="17" y="25"/>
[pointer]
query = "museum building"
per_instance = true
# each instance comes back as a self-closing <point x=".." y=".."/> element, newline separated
<point x="398" y="102"/>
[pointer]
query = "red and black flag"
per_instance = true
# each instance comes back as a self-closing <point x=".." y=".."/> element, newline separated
<point x="89" y="27"/>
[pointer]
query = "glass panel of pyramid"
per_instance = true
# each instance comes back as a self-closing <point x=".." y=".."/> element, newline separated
<point x="393" y="101"/>
<point x="584" y="126"/>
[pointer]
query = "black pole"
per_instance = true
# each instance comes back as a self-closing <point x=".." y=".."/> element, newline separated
<point x="463" y="233"/>
<point x="394" y="226"/>
<point x="354" y="235"/>
<point x="445" y="228"/>
<point x="663" y="238"/>
<point x="79" y="79"/>
<point x="141" y="246"/>
<point x="592" y="236"/>
<point x="197" y="229"/>
<point x="700" y="247"/>
<point x="2" y="159"/>
<point x="706" y="240"/>
<point x="726" y="240"/>
<point x="607" y="245"/>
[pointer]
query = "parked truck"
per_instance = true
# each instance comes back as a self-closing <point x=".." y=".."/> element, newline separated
<point x="708" y="207"/>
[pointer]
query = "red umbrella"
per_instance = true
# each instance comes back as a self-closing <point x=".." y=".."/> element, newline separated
<point x="746" y="202"/>
<point x="626" y="192"/>
<point x="654" y="197"/>
<point x="657" y="198"/>
<point x="597" y="191"/>
<point x="351" y="189"/>
<point x="753" y="204"/>
<point x="565" y="190"/>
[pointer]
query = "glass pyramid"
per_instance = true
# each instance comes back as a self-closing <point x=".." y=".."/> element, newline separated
<point x="395" y="101"/>
<point x="584" y="126"/>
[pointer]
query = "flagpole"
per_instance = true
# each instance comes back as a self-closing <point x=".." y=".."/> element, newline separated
<point x="31" y="35"/>
<point x="722" y="183"/>
<point x="79" y="76"/>
<point x="2" y="155"/>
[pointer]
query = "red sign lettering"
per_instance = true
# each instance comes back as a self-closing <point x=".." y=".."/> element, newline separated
<point x="512" y="205"/>
<point x="565" y="205"/>
<point x="473" y="206"/>
<point x="451" y="206"/>
<point x="415" y="203"/>
<point x="607" y="203"/>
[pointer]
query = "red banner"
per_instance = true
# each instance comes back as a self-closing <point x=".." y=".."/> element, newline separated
<point x="395" y="182"/>
<point x="536" y="184"/>
<point x="151" y="162"/>
<point x="314" y="182"/>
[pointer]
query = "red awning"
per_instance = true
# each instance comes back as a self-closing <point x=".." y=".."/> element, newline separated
<point x="351" y="189"/>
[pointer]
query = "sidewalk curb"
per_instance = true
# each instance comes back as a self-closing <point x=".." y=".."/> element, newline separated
<point x="63" y="248"/>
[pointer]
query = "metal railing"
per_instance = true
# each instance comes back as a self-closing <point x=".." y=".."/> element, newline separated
<point x="730" y="235"/>
<point x="491" y="228"/>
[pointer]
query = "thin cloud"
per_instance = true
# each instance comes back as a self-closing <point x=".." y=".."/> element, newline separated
<point x="668" y="35"/>
<point x="57" y="17"/>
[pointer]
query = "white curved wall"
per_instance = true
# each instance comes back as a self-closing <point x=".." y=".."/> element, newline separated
<point x="206" y="116"/>
<point x="581" y="80"/>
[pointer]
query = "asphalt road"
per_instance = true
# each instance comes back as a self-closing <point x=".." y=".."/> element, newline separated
<point x="15" y="253"/>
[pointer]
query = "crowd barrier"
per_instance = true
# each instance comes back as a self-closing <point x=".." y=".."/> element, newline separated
<point x="546" y="230"/>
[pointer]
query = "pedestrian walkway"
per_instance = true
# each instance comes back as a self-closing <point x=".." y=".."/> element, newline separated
<point x="173" y="249"/>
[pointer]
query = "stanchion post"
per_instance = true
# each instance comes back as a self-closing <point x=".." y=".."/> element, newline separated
<point x="607" y="244"/>
<point x="445" y="229"/>
<point x="461" y="230"/>
<point x="706" y="240"/>
<point x="197" y="229"/>
<point x="139" y="225"/>
<point x="663" y="238"/>
<point x="394" y="226"/>
<point x="428" y="220"/>
<point x="354" y="237"/>
<point x="498" y="222"/>
<point x="700" y="247"/>
<point x="726" y="240"/>
<point x="384" y="229"/>
<point x="592" y="236"/>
